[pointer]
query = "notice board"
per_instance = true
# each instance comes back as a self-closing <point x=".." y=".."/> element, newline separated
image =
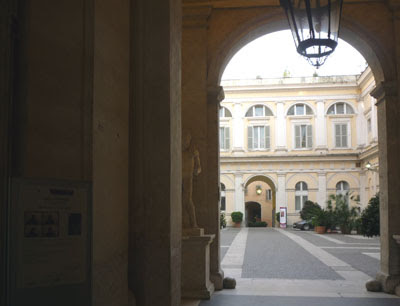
<point x="50" y="243"/>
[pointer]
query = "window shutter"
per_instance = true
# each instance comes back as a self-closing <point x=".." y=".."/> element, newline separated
<point x="338" y="136"/>
<point x="267" y="137"/>
<point x="250" y="137"/>
<point x="344" y="135"/>
<point x="297" y="136"/>
<point x="226" y="138"/>
<point x="309" y="136"/>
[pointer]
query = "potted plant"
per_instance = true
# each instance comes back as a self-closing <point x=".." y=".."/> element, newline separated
<point x="320" y="221"/>
<point x="237" y="218"/>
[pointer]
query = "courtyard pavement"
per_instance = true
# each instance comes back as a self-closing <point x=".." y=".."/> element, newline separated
<point x="289" y="267"/>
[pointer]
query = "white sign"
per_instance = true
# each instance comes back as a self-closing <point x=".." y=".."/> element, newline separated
<point x="282" y="217"/>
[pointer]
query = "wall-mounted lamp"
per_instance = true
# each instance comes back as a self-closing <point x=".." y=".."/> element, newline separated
<point x="368" y="166"/>
<point x="258" y="189"/>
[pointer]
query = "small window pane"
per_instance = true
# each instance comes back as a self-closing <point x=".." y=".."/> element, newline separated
<point x="267" y="111"/>
<point x="221" y="112"/>
<point x="249" y="112"/>
<point x="259" y="111"/>
<point x="304" y="185"/>
<point x="309" y="110"/>
<point x="339" y="108"/>
<point x="349" y="109"/>
<point x="300" y="109"/>
<point x="291" y="111"/>
<point x="298" y="187"/>
<point x="331" y="110"/>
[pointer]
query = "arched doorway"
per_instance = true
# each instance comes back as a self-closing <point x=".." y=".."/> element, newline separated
<point x="260" y="189"/>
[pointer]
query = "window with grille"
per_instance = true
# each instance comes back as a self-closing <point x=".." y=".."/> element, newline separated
<point x="301" y="195"/>
<point x="259" y="111"/>
<point x="300" y="110"/>
<point x="340" y="108"/>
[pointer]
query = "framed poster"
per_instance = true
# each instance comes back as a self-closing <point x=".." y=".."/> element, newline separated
<point x="50" y="242"/>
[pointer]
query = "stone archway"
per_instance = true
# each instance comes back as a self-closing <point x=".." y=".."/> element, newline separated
<point x="377" y="48"/>
<point x="271" y="209"/>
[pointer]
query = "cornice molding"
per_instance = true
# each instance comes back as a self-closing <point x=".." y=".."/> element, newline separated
<point x="383" y="90"/>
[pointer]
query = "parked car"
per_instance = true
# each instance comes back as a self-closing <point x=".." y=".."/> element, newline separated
<point x="303" y="225"/>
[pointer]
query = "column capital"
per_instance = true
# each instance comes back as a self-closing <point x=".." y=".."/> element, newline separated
<point x="383" y="90"/>
<point x="215" y="94"/>
<point x="281" y="174"/>
<point x="196" y="16"/>
<point x="321" y="173"/>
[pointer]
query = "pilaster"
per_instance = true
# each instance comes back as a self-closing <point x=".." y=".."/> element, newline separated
<point x="320" y="127"/>
<point x="280" y="128"/>
<point x="281" y="191"/>
<point x="211" y="224"/>
<point x="321" y="195"/>
<point x="238" y="128"/>
<point x="239" y="192"/>
<point x="155" y="174"/>
<point x="389" y="167"/>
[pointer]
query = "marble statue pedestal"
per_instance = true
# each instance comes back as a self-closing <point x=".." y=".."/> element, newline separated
<point x="196" y="267"/>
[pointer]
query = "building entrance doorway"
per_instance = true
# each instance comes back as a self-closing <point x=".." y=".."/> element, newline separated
<point x="253" y="212"/>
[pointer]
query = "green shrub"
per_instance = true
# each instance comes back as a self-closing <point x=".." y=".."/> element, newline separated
<point x="258" y="224"/>
<point x="310" y="209"/>
<point x="320" y="218"/>
<point x="222" y="220"/>
<point x="370" y="218"/>
<point x="237" y="216"/>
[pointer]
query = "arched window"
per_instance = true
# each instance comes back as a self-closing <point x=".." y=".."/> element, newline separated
<point x="259" y="111"/>
<point x="223" y="197"/>
<point x="301" y="195"/>
<point x="340" y="108"/>
<point x="342" y="188"/>
<point x="300" y="110"/>
<point x="224" y="113"/>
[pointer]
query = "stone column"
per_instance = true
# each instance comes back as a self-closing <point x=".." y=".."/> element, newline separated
<point x="389" y="169"/>
<point x="155" y="153"/>
<point x="281" y="191"/>
<point x="280" y="128"/>
<point x="320" y="127"/>
<point x="321" y="195"/>
<point x="239" y="193"/>
<point x="214" y="96"/>
<point x="238" y="128"/>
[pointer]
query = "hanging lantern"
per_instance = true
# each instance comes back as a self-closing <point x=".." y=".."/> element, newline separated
<point x="315" y="27"/>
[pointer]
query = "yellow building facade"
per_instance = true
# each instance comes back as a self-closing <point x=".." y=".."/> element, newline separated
<point x="288" y="140"/>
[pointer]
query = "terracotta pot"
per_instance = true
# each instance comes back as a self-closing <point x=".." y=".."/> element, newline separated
<point x="320" y="229"/>
<point x="237" y="225"/>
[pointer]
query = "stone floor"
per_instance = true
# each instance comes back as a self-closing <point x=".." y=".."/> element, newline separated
<point x="289" y="267"/>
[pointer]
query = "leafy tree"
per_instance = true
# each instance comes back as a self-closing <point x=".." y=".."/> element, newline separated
<point x="342" y="214"/>
<point x="370" y="218"/>
<point x="310" y="209"/>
